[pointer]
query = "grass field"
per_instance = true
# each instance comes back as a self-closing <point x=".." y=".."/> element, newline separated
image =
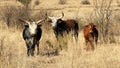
<point x="13" y="48"/>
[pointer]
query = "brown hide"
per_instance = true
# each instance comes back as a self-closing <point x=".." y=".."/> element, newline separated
<point x="70" y="23"/>
<point x="90" y="34"/>
<point x="66" y="26"/>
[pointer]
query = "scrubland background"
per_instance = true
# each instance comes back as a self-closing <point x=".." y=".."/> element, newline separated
<point x="13" y="48"/>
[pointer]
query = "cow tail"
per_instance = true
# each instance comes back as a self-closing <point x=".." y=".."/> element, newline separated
<point x="76" y="26"/>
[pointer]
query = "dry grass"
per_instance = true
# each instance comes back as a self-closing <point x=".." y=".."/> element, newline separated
<point x="13" y="49"/>
<point x="13" y="53"/>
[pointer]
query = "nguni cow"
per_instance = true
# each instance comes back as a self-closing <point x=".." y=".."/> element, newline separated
<point x="64" y="26"/>
<point x="32" y="34"/>
<point x="90" y="35"/>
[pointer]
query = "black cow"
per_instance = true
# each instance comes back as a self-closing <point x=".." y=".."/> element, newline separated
<point x="32" y="34"/>
<point x="61" y="26"/>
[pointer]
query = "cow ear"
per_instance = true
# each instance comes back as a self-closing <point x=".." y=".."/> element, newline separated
<point x="89" y="26"/>
<point x="59" y="21"/>
<point x="96" y="26"/>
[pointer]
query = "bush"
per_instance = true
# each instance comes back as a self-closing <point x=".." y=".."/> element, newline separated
<point x="25" y="2"/>
<point x="103" y="18"/>
<point x="11" y="14"/>
<point x="37" y="2"/>
<point x="85" y="2"/>
<point x="62" y="1"/>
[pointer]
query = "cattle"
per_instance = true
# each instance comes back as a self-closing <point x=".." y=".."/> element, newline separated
<point x="64" y="26"/>
<point x="31" y="34"/>
<point x="90" y="35"/>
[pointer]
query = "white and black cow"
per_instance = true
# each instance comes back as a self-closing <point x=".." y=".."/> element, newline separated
<point x="32" y="34"/>
<point x="61" y="26"/>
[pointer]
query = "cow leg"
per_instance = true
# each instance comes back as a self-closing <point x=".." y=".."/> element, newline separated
<point x="28" y="48"/>
<point x="37" y="48"/>
<point x="96" y="39"/>
<point x="91" y="45"/>
<point x="32" y="46"/>
<point x="28" y="51"/>
<point x="87" y="46"/>
<point x="91" y="41"/>
<point x="56" y="34"/>
<point x="32" y="50"/>
<point x="76" y="35"/>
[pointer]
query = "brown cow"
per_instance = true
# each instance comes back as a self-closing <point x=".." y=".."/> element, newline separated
<point x="90" y="35"/>
<point x="62" y="26"/>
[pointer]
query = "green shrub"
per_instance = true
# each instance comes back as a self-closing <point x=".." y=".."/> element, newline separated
<point x="25" y="2"/>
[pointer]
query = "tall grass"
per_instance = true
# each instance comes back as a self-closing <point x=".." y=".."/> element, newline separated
<point x="65" y="53"/>
<point x="13" y="52"/>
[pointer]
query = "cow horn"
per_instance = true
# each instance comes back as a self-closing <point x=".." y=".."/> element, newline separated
<point x="48" y="16"/>
<point x="40" y="21"/>
<point x="61" y="16"/>
<point x="24" y="21"/>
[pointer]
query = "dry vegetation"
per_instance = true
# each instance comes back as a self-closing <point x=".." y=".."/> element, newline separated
<point x="13" y="49"/>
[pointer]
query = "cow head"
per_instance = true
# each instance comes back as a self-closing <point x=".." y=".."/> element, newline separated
<point x="55" y="20"/>
<point x="91" y="27"/>
<point x="32" y="25"/>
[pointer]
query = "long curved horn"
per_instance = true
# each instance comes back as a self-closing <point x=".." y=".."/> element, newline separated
<point x="40" y="21"/>
<point x="24" y="21"/>
<point x="48" y="16"/>
<point x="61" y="16"/>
